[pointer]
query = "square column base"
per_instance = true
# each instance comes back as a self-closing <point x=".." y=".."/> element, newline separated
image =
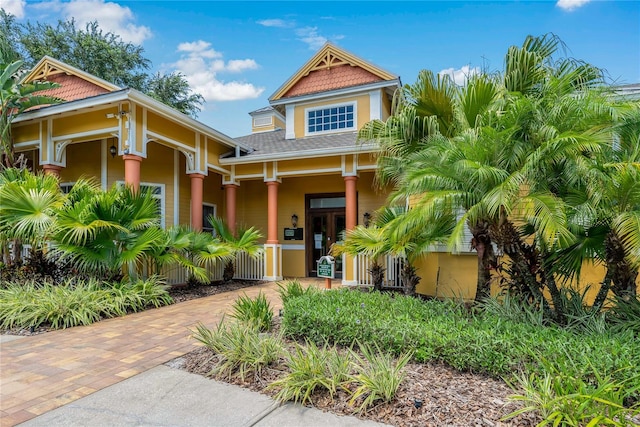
<point x="272" y="262"/>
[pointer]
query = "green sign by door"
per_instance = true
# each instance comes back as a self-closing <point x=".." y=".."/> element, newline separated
<point x="326" y="267"/>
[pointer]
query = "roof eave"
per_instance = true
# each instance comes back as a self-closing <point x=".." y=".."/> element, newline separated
<point x="336" y="92"/>
<point x="302" y="154"/>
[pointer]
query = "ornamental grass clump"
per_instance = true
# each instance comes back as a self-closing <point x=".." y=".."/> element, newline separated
<point x="291" y="289"/>
<point x="241" y="348"/>
<point x="378" y="374"/>
<point x="73" y="303"/>
<point x="312" y="368"/>
<point x="253" y="312"/>
<point x="559" y="398"/>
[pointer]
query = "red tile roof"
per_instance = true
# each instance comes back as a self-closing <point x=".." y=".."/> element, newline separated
<point x="72" y="88"/>
<point x="336" y="77"/>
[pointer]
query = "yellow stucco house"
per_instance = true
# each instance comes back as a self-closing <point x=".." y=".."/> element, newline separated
<point x="299" y="176"/>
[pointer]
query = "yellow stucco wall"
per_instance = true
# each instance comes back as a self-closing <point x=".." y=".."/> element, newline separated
<point x="26" y="132"/>
<point x="83" y="160"/>
<point x="362" y="111"/>
<point x="169" y="129"/>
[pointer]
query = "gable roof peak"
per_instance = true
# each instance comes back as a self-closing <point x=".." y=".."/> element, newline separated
<point x="326" y="58"/>
<point x="48" y="66"/>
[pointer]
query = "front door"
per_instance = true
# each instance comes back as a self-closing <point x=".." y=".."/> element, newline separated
<point x="326" y="227"/>
<point x="326" y="221"/>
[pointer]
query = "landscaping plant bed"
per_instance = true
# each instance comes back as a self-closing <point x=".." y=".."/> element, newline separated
<point x="448" y="397"/>
<point x="177" y="293"/>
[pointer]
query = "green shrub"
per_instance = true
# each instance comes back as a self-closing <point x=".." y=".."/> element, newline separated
<point x="310" y="368"/>
<point x="562" y="399"/>
<point x="292" y="289"/>
<point x="242" y="348"/>
<point x="253" y="312"/>
<point x="446" y="332"/>
<point x="379" y="375"/>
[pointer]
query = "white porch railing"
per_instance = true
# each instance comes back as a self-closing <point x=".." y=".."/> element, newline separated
<point x="393" y="266"/>
<point x="247" y="268"/>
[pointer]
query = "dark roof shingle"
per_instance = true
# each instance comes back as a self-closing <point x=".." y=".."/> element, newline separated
<point x="274" y="142"/>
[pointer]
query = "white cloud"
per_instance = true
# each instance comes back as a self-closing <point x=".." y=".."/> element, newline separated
<point x="570" y="5"/>
<point x="200" y="64"/>
<point x="280" y="23"/>
<point x="13" y="7"/>
<point x="461" y="75"/>
<point x="111" y="17"/>
<point x="310" y="36"/>
<point x="239" y="65"/>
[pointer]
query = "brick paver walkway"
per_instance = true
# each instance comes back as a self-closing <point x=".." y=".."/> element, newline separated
<point x="43" y="372"/>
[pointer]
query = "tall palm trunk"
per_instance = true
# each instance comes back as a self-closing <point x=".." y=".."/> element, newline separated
<point x="487" y="260"/>
<point x="621" y="273"/>
<point x="377" y="275"/>
<point x="409" y="278"/>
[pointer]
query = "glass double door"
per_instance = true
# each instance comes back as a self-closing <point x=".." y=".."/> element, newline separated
<point x="326" y="227"/>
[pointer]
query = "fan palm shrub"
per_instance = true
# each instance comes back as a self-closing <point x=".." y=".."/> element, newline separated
<point x="244" y="240"/>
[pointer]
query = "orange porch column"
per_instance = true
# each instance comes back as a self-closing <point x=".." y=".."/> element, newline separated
<point x="132" y="170"/>
<point x="230" y="200"/>
<point x="349" y="273"/>
<point x="350" y="193"/>
<point x="272" y="212"/>
<point x="197" y="189"/>
<point x="52" y="170"/>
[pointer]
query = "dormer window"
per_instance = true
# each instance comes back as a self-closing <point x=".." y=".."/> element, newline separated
<point x="330" y="118"/>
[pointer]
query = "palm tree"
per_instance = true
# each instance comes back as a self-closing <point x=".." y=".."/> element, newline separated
<point x="369" y="241"/>
<point x="28" y="204"/>
<point x="104" y="232"/>
<point x="189" y="249"/>
<point x="15" y="99"/>
<point x="244" y="241"/>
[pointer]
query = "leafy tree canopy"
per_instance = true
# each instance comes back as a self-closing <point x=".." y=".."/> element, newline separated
<point x="103" y="54"/>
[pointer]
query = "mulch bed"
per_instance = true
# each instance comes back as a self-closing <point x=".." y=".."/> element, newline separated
<point x="449" y="397"/>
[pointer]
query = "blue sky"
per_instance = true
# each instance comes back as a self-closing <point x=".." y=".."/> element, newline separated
<point x="238" y="53"/>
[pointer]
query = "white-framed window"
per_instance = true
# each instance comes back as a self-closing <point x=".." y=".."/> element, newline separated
<point x="330" y="118"/>
<point x="157" y="192"/>
<point x="208" y="209"/>
<point x="66" y="187"/>
<point x="262" y="121"/>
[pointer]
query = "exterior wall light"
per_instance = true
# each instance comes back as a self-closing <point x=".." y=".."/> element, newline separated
<point x="366" y="219"/>
<point x="113" y="150"/>
<point x="294" y="220"/>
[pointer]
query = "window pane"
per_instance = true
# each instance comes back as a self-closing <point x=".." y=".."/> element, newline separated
<point x="334" y="126"/>
<point x="349" y="108"/>
<point x="350" y="116"/>
<point x="328" y="202"/>
<point x="312" y="113"/>
<point x="326" y="112"/>
<point x="349" y="123"/>
<point x="326" y="126"/>
<point x="341" y="125"/>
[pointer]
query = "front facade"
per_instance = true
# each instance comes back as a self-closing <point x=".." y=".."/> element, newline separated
<point x="301" y="176"/>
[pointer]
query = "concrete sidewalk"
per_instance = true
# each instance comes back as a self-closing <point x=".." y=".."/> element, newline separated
<point x="163" y="396"/>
